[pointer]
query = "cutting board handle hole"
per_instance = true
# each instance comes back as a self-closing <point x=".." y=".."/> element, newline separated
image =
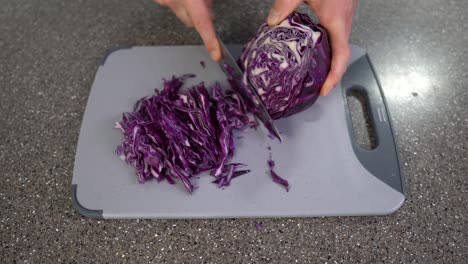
<point x="361" y="117"/>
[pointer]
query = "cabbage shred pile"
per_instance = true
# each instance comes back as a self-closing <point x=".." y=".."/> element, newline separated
<point x="178" y="135"/>
<point x="287" y="64"/>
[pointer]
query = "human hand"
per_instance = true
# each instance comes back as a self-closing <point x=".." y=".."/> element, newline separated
<point x="336" y="17"/>
<point x="197" y="13"/>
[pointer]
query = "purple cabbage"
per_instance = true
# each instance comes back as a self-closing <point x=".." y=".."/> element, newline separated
<point x="178" y="135"/>
<point x="259" y="227"/>
<point x="275" y="177"/>
<point x="287" y="64"/>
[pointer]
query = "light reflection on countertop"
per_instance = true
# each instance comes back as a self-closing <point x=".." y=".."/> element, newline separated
<point x="405" y="84"/>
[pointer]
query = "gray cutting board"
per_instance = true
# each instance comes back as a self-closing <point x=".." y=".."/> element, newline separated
<point x="329" y="174"/>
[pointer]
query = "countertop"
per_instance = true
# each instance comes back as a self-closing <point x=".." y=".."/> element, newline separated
<point x="49" y="53"/>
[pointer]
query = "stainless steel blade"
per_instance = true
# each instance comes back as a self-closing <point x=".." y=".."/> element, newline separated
<point x="262" y="112"/>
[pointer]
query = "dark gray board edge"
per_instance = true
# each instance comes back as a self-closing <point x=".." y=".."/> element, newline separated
<point x="404" y="180"/>
<point x="97" y="214"/>
<point x="109" y="52"/>
<point x="363" y="155"/>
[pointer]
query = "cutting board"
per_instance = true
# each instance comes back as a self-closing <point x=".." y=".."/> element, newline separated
<point x="329" y="173"/>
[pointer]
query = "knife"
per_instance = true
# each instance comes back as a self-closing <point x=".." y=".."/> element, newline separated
<point x="262" y="112"/>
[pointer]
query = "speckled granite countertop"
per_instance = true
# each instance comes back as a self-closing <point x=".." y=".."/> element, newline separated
<point x="49" y="52"/>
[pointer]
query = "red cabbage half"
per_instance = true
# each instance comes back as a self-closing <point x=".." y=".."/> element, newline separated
<point x="177" y="135"/>
<point x="287" y="64"/>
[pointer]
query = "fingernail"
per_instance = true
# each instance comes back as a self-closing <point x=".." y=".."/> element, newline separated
<point x="327" y="89"/>
<point x="273" y="17"/>
<point x="324" y="91"/>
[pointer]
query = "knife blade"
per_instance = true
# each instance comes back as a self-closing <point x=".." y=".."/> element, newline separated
<point x="262" y="112"/>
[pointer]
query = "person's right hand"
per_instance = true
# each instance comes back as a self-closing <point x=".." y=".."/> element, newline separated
<point x="197" y="13"/>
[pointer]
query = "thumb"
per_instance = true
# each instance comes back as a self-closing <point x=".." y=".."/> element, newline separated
<point x="280" y="10"/>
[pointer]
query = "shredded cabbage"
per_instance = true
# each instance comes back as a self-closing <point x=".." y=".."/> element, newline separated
<point x="177" y="135"/>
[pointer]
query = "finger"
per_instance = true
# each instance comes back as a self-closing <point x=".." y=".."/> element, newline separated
<point x="184" y="16"/>
<point x="280" y="10"/>
<point x="340" y="57"/>
<point x="178" y="10"/>
<point x="200" y="16"/>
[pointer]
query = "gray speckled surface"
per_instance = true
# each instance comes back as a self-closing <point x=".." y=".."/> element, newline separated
<point x="49" y="52"/>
